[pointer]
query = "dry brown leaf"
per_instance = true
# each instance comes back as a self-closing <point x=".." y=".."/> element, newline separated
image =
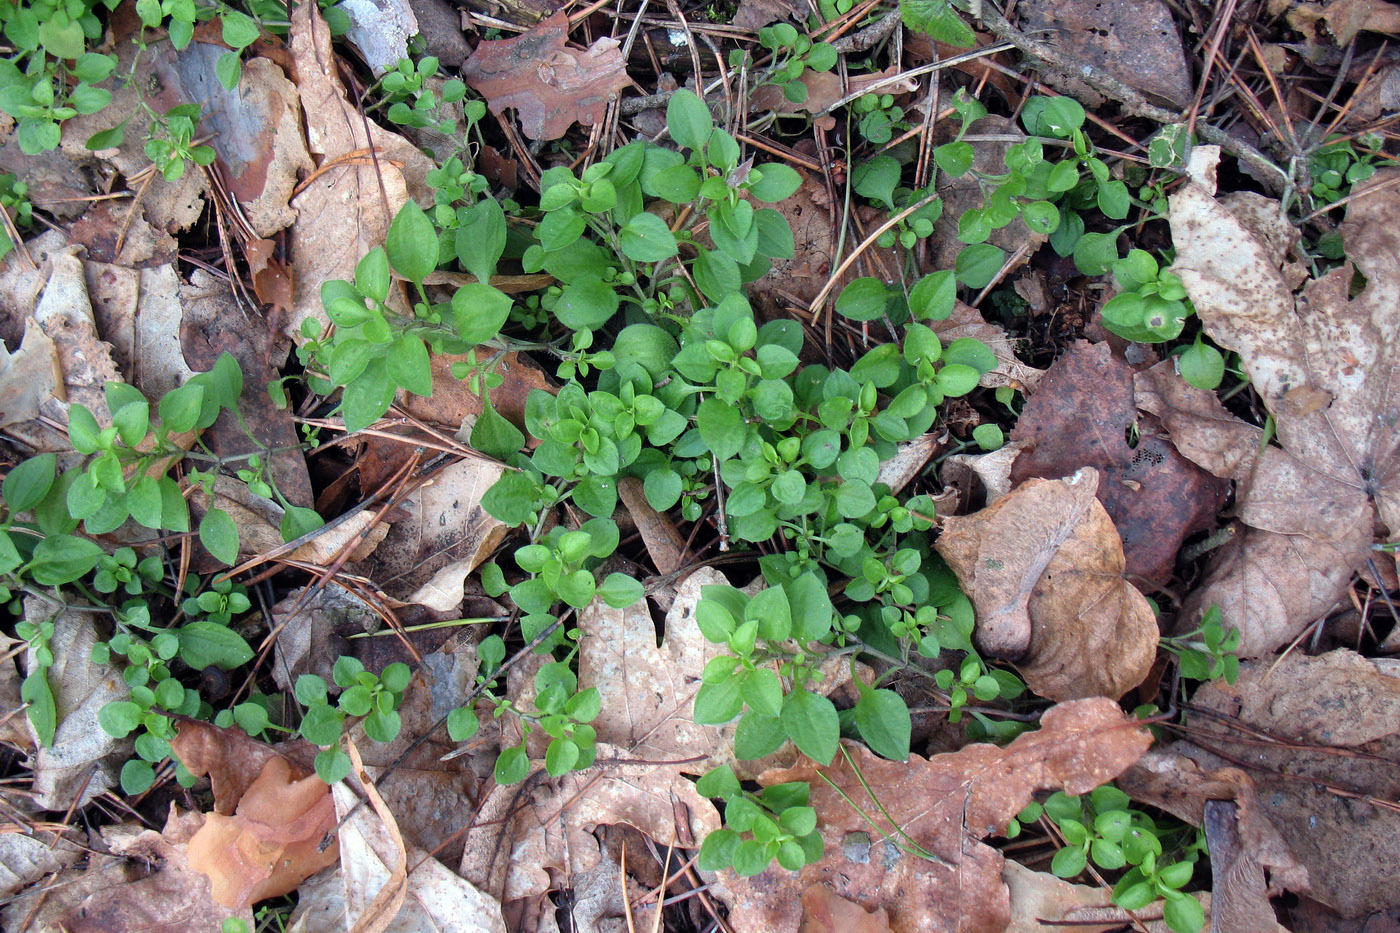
<point x="945" y="804"/>
<point x="435" y="900"/>
<point x="1321" y="739"/>
<point x="255" y="128"/>
<point x="1135" y="41"/>
<point x="515" y="851"/>
<point x="270" y="844"/>
<point x="29" y="377"/>
<point x="1080" y="416"/>
<point x="27" y="858"/>
<point x="158" y="893"/>
<point x="550" y="85"/>
<point x="825" y="912"/>
<point x="345" y="212"/>
<point x="427" y="555"/>
<point x="1043" y="566"/>
<point x="453" y="404"/>
<point x="82" y="761"/>
<point x="1325" y="366"/>
<point x="647" y="691"/>
<point x="380" y="30"/>
<point x="1345" y="18"/>
<point x="967" y="321"/>
<point x="232" y="759"/>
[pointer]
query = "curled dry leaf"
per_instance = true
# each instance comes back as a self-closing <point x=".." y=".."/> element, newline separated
<point x="152" y="887"/>
<point x="1326" y="367"/>
<point x="825" y="912"/>
<point x="269" y="846"/>
<point x="373" y="856"/>
<point x="550" y="85"/>
<point x="231" y="758"/>
<point x="1042" y="903"/>
<point x="1080" y="416"/>
<point x="1243" y="843"/>
<point x="1321" y="738"/>
<point x="945" y="805"/>
<point x="1044" y="568"/>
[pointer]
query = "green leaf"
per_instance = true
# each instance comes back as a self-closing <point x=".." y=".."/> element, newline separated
<point x="1040" y="217"/>
<point x="587" y="303"/>
<point x="239" y="30"/>
<point x="481" y="239"/>
<point x="83" y="430"/>
<point x="60" y="559"/>
<point x="883" y="720"/>
<point x="372" y="274"/>
<point x="721" y="427"/>
<point x="560" y="757"/>
<point x="717" y="851"/>
<point x="646" y="238"/>
<point x="763" y="691"/>
<point x="494" y="435"/>
<point x="977" y="265"/>
<point x="688" y="120"/>
<point x="1068" y="862"/>
<point x="479" y="310"/>
<point x="934" y="296"/>
<point x="219" y="535"/>
<point x="777" y="182"/>
<point x="1201" y="365"/>
<point x="412" y="243"/>
<point x="119" y="718"/>
<point x="954" y="158"/>
<point x="107" y="139"/>
<point x="203" y="644"/>
<point x="137" y="776"/>
<point x="620" y="591"/>
<point x="180" y="408"/>
<point x="42" y="712"/>
<point x="938" y="19"/>
<point x="512" y="766"/>
<point x="61" y="36"/>
<point x="718" y="703"/>
<point x="462" y="724"/>
<point x="1184" y="914"/>
<point x="29" y="482"/>
<point x="864" y="299"/>
<point x="812" y="724"/>
<point x="228" y="68"/>
<point x="332" y="765"/>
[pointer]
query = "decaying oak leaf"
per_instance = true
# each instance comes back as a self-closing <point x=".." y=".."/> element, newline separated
<point x="152" y="888"/>
<point x="1042" y="903"/>
<point x="550" y="85"/>
<point x="1326" y="366"/>
<point x="269" y="846"/>
<point x="647" y="691"/>
<point x="1079" y="416"/>
<point x="945" y="804"/>
<point x="1044" y="568"/>
<point x="231" y="759"/>
<point x="513" y="851"/>
<point x="1321" y="737"/>
<point x="825" y="912"/>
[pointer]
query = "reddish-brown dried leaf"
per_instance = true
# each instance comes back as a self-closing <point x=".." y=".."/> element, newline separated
<point x="1044" y="567"/>
<point x="1079" y="416"/>
<point x="270" y="844"/>
<point x="550" y="85"/>
<point x="825" y="912"/>
<point x="944" y="804"/>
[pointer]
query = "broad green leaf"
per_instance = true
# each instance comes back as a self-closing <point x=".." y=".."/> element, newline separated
<point x="721" y="427"/>
<point x="42" y="712"/>
<point x="29" y="482"/>
<point x="689" y="120"/>
<point x="777" y="182"/>
<point x="646" y="238"/>
<point x="203" y="644"/>
<point x="219" y="535"/>
<point x="812" y="724"/>
<point x="883" y="720"/>
<point x="864" y="299"/>
<point x="412" y="243"/>
<point x="60" y="559"/>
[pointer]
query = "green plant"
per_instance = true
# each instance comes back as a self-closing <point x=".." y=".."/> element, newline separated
<point x="775" y="823"/>
<point x="1102" y="827"/>
<point x="170" y="144"/>
<point x="1152" y="306"/>
<point x="1209" y="651"/>
<point x="1338" y="165"/>
<point x="792" y="55"/>
<point x="48" y="42"/>
<point x="373" y="698"/>
<point x="14" y="200"/>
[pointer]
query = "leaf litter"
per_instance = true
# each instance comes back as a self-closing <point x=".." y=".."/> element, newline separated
<point x="1288" y="770"/>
